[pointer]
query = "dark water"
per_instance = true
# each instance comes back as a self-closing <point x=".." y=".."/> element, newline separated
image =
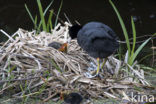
<point x="13" y="14"/>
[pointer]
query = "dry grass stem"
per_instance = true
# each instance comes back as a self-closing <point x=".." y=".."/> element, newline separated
<point x="27" y="65"/>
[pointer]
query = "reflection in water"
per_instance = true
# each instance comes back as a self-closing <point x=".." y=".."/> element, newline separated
<point x="152" y="16"/>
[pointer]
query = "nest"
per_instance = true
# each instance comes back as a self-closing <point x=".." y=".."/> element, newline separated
<point x="26" y="62"/>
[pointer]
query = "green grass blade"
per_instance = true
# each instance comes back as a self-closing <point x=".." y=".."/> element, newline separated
<point x="123" y="27"/>
<point x="31" y="17"/>
<point x="12" y="68"/>
<point x="154" y="34"/>
<point x="55" y="65"/>
<point x="145" y="57"/>
<point x="35" y="24"/>
<point x="132" y="58"/>
<point x="58" y="13"/>
<point x="41" y="15"/>
<point x="45" y="11"/>
<point x="49" y="24"/>
<point x="134" y="35"/>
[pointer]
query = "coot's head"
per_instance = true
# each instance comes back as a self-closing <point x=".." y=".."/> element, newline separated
<point x="73" y="31"/>
<point x="58" y="46"/>
<point x="55" y="45"/>
<point x="71" y="98"/>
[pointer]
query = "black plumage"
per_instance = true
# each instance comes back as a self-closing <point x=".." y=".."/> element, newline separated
<point x="55" y="45"/>
<point x="72" y="98"/>
<point x="58" y="46"/>
<point x="96" y="38"/>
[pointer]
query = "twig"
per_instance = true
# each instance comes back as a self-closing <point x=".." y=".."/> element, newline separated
<point x="11" y="85"/>
<point x="49" y="97"/>
<point x="153" y="53"/>
<point x="7" y="35"/>
<point x="22" y="79"/>
<point x="77" y="22"/>
<point x="27" y="95"/>
<point x="67" y="19"/>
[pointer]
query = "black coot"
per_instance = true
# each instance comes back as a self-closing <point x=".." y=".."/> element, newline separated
<point x="55" y="45"/>
<point x="58" y="46"/>
<point x="96" y="38"/>
<point x="72" y="98"/>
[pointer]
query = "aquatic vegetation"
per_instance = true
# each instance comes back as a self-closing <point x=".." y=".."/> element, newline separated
<point x="46" y="26"/>
<point x="132" y="53"/>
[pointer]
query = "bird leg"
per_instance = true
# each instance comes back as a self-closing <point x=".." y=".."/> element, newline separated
<point x="104" y="62"/>
<point x="98" y="67"/>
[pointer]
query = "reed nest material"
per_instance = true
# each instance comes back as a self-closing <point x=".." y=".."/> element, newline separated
<point x="28" y="65"/>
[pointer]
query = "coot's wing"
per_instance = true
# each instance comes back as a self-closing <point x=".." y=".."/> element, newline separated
<point x="86" y="37"/>
<point x="104" y="45"/>
<point x="102" y="42"/>
<point x="97" y="41"/>
<point x="97" y="25"/>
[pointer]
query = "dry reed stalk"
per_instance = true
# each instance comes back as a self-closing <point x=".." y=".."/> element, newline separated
<point x="26" y="56"/>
